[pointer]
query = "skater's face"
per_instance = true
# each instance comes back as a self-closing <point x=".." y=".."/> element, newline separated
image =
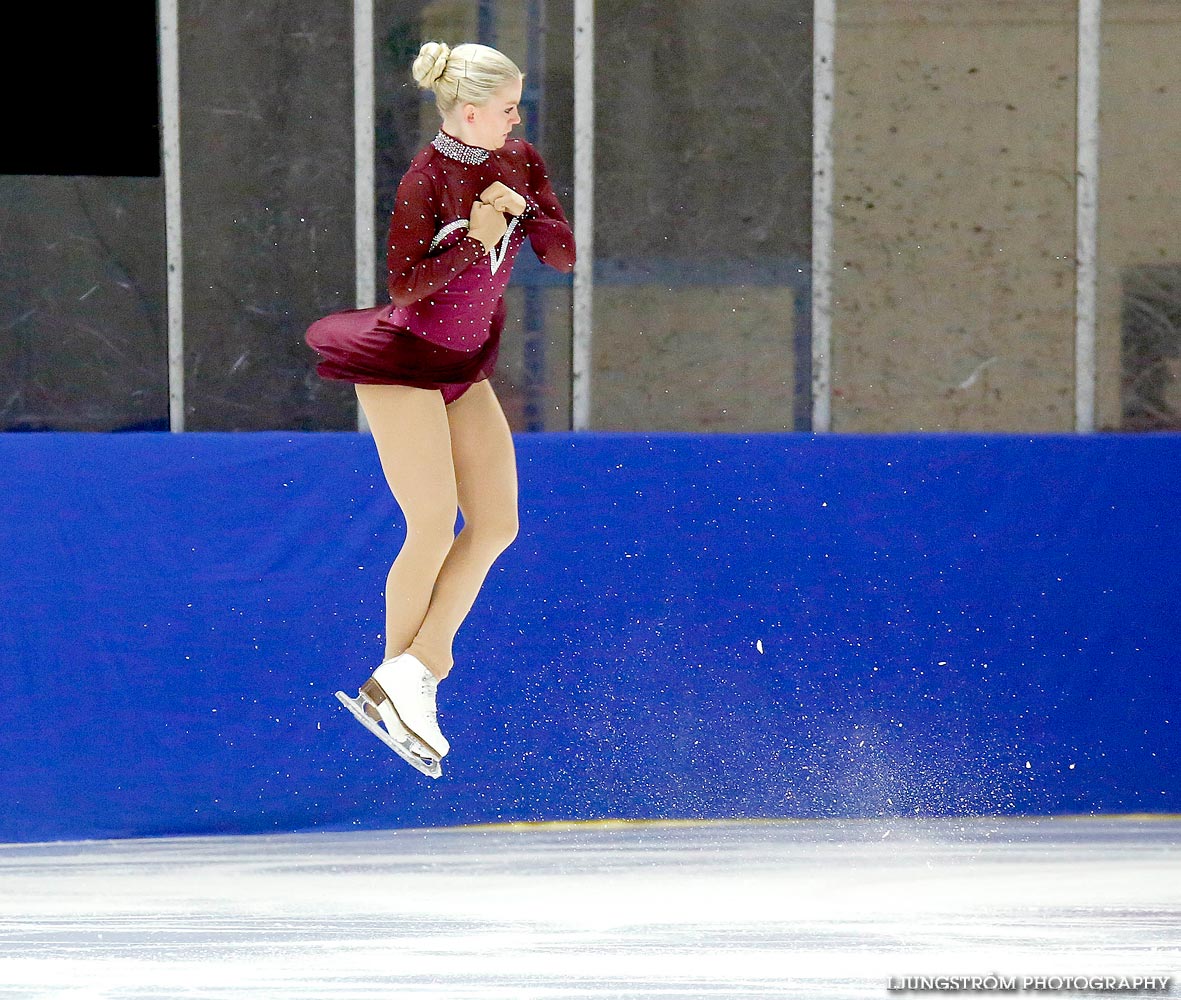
<point x="490" y="125"/>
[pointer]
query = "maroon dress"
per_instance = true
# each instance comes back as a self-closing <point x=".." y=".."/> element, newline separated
<point x="441" y="329"/>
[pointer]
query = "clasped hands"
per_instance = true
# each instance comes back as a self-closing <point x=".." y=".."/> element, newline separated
<point x="487" y="222"/>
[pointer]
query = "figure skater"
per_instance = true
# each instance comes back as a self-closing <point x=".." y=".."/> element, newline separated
<point x="421" y="367"/>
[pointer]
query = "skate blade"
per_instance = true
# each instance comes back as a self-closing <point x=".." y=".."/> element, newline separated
<point x="431" y="768"/>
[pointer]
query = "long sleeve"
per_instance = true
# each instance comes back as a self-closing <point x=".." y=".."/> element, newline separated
<point x="545" y="222"/>
<point x="413" y="275"/>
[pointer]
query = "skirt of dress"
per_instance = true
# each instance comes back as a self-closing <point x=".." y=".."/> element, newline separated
<point x="362" y="346"/>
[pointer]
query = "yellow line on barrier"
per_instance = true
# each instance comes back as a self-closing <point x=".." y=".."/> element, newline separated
<point x="523" y="826"/>
<point x="619" y="823"/>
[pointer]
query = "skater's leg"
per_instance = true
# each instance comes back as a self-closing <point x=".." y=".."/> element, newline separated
<point x="486" y="482"/>
<point x="410" y="428"/>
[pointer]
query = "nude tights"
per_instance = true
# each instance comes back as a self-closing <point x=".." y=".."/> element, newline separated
<point x="438" y="459"/>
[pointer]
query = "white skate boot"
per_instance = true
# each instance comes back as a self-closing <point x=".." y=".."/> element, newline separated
<point x="401" y="695"/>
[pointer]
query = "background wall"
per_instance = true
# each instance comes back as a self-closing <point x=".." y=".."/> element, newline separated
<point x="1140" y="235"/>
<point x="267" y="177"/>
<point x="82" y="291"/>
<point x="688" y="626"/>
<point x="954" y="210"/>
<point x="703" y="160"/>
<point x="954" y="242"/>
<point x="955" y="200"/>
<point x="83" y="342"/>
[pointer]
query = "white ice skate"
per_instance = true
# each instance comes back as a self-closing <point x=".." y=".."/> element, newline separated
<point x="397" y="705"/>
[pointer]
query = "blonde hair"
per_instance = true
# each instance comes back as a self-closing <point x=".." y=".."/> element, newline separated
<point x="466" y="74"/>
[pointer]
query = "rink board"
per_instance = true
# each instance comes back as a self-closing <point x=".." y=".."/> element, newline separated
<point x="687" y="626"/>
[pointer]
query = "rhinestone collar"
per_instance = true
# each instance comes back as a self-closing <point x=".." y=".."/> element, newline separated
<point x="453" y="149"/>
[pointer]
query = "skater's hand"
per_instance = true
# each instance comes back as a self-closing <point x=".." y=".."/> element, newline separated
<point x="486" y="224"/>
<point x="503" y="199"/>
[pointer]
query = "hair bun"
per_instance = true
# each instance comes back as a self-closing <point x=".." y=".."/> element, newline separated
<point x="431" y="63"/>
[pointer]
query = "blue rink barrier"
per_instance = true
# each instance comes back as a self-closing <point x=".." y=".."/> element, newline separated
<point x="687" y="626"/>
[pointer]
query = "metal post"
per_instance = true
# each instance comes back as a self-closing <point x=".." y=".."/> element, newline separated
<point x="1087" y="213"/>
<point x="170" y="119"/>
<point x="364" y="152"/>
<point x="823" y="88"/>
<point x="584" y="207"/>
<point x="533" y="112"/>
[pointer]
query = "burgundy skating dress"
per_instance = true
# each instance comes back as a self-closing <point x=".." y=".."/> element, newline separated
<point x="442" y="327"/>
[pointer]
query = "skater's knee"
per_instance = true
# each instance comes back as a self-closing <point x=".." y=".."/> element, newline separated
<point x="433" y="530"/>
<point x="508" y="532"/>
<point x="494" y="532"/>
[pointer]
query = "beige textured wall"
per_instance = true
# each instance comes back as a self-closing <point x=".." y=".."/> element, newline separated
<point x="692" y="358"/>
<point x="955" y="200"/>
<point x="654" y="369"/>
<point x="954" y="215"/>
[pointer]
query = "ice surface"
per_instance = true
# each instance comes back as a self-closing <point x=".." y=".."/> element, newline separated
<point x="720" y="910"/>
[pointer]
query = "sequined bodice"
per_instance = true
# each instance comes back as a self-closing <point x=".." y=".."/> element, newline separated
<point x="459" y="315"/>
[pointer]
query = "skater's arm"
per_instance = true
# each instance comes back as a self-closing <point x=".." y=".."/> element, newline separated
<point x="413" y="275"/>
<point x="545" y="222"/>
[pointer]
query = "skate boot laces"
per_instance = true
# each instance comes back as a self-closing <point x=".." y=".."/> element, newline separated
<point x="430" y="689"/>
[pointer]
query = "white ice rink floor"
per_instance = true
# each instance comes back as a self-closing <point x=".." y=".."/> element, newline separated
<point x="721" y="910"/>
